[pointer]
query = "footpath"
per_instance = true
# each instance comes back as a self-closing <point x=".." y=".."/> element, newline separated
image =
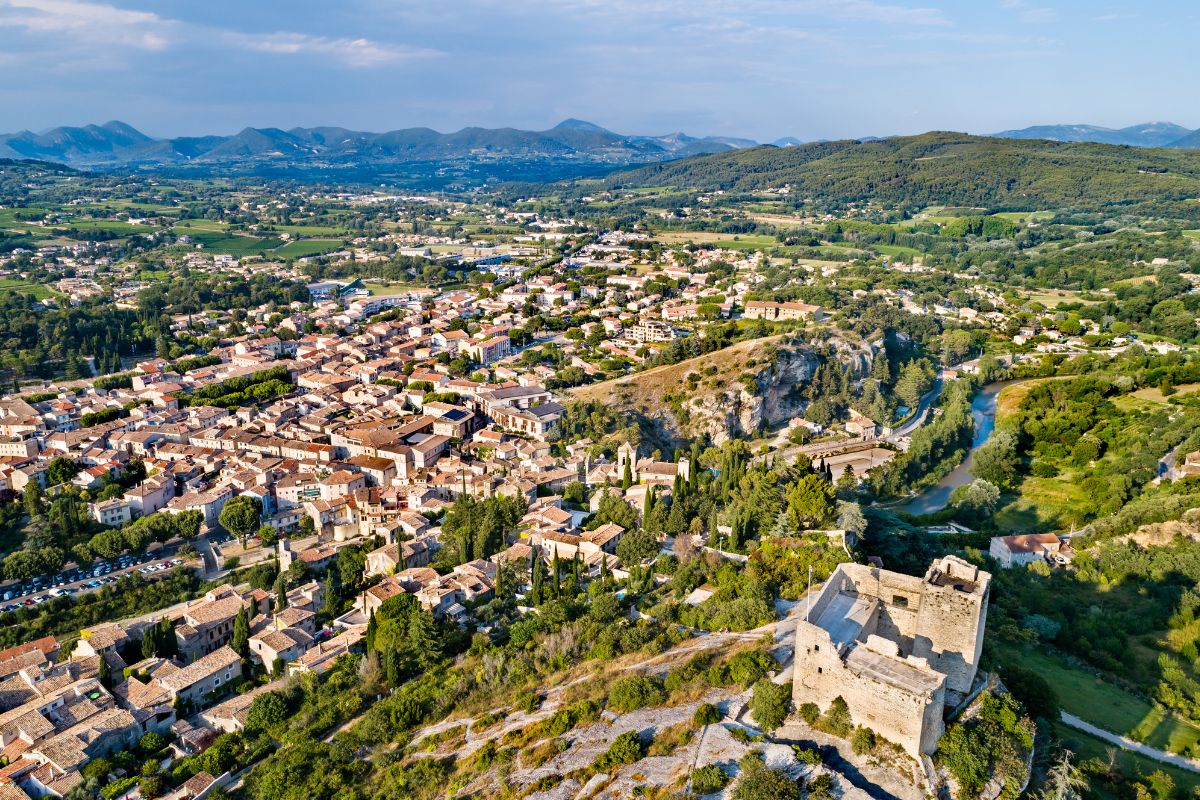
<point x="1124" y="742"/>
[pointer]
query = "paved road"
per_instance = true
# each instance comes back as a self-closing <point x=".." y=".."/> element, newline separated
<point x="1129" y="744"/>
<point x="918" y="419"/>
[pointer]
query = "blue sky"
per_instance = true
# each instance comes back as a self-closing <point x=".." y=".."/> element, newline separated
<point x="756" y="68"/>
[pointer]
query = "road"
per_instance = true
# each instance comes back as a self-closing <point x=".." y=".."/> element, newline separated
<point x="918" y="419"/>
<point x="1129" y="744"/>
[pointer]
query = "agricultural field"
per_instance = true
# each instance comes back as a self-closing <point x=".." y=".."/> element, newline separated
<point x="306" y="247"/>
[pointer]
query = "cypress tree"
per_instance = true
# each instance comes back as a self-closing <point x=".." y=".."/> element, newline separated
<point x="148" y="642"/>
<point x="241" y="634"/>
<point x="280" y="592"/>
<point x="105" y="676"/>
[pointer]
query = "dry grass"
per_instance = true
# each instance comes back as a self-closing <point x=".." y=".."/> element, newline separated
<point x="645" y="390"/>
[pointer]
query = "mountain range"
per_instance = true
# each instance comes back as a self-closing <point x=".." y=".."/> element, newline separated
<point x="1147" y="134"/>
<point x="118" y="144"/>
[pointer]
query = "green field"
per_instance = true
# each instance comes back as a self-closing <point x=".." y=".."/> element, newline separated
<point x="38" y="290"/>
<point x="1107" y="706"/>
<point x="897" y="250"/>
<point x="311" y="230"/>
<point x="307" y="247"/>
<point x="216" y="242"/>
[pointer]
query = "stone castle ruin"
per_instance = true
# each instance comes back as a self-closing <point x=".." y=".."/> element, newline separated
<point x="899" y="650"/>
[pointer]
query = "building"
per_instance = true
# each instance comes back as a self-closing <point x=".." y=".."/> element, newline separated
<point x="779" y="312"/>
<point x="900" y="650"/>
<point x="1014" y="551"/>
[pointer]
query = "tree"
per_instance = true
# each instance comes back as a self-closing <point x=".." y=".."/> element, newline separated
<point x="769" y="703"/>
<point x="837" y="717"/>
<point x="280" y="592"/>
<point x="241" y="633"/>
<point x="851" y="518"/>
<point x="149" y="642"/>
<point x="981" y="496"/>
<point x="423" y="641"/>
<point x="31" y="497"/>
<point x="61" y="470"/>
<point x="613" y="508"/>
<point x="809" y="501"/>
<point x="997" y="461"/>
<point x="1064" y="780"/>
<point x="268" y="711"/>
<point x="268" y="535"/>
<point x="915" y="380"/>
<point x="241" y="515"/>
<point x="105" y="674"/>
<point x="636" y="546"/>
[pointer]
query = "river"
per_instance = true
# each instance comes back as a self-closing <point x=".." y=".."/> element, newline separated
<point x="983" y="411"/>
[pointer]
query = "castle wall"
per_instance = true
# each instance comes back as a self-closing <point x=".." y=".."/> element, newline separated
<point x="911" y="719"/>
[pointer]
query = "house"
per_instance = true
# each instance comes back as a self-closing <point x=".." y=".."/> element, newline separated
<point x="201" y="679"/>
<point x="1014" y="551"/>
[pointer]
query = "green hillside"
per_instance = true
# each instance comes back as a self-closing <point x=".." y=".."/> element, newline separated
<point x="950" y="169"/>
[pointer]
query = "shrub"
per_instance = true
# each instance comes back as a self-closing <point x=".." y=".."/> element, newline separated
<point x="708" y="779"/>
<point x="765" y="783"/>
<point x="625" y="749"/>
<point x="863" y="741"/>
<point x="837" y="718"/>
<point x="769" y="704"/>
<point x="810" y="713"/>
<point x="707" y="714"/>
<point x="527" y="701"/>
<point x="634" y="692"/>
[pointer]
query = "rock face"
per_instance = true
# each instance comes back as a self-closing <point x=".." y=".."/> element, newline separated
<point x="763" y="399"/>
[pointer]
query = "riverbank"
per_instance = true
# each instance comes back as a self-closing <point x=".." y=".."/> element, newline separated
<point x="983" y="412"/>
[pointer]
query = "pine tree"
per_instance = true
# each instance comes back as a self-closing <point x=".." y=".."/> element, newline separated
<point x="423" y="641"/>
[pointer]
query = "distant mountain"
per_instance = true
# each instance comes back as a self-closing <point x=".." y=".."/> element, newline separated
<point x="943" y="168"/>
<point x="1147" y="134"/>
<point x="1190" y="142"/>
<point x="116" y="144"/>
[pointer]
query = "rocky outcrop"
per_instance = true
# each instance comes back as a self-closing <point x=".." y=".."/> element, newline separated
<point x="762" y="397"/>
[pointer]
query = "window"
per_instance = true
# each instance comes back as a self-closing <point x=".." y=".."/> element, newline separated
<point x="899" y="601"/>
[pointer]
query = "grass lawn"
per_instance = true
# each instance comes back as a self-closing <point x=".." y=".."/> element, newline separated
<point x="192" y="226"/>
<point x="897" y="250"/>
<point x="38" y="290"/>
<point x="1155" y="396"/>
<point x="1041" y="505"/>
<point x="1051" y="298"/>
<point x="1193" y="234"/>
<point x="1108" y="706"/>
<point x="307" y="247"/>
<point x="380" y="289"/>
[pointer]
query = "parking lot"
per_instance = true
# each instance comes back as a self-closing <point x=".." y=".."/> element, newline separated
<point x="83" y="579"/>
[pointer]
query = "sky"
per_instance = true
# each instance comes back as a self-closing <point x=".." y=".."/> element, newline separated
<point x="760" y="69"/>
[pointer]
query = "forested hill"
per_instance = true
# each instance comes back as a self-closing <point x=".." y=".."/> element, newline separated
<point x="948" y="169"/>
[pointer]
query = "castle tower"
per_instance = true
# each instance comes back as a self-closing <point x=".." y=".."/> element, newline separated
<point x="286" y="556"/>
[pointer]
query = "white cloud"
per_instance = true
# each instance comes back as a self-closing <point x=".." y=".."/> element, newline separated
<point x="90" y="24"/>
<point x="352" y="52"/>
<point x="95" y="22"/>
